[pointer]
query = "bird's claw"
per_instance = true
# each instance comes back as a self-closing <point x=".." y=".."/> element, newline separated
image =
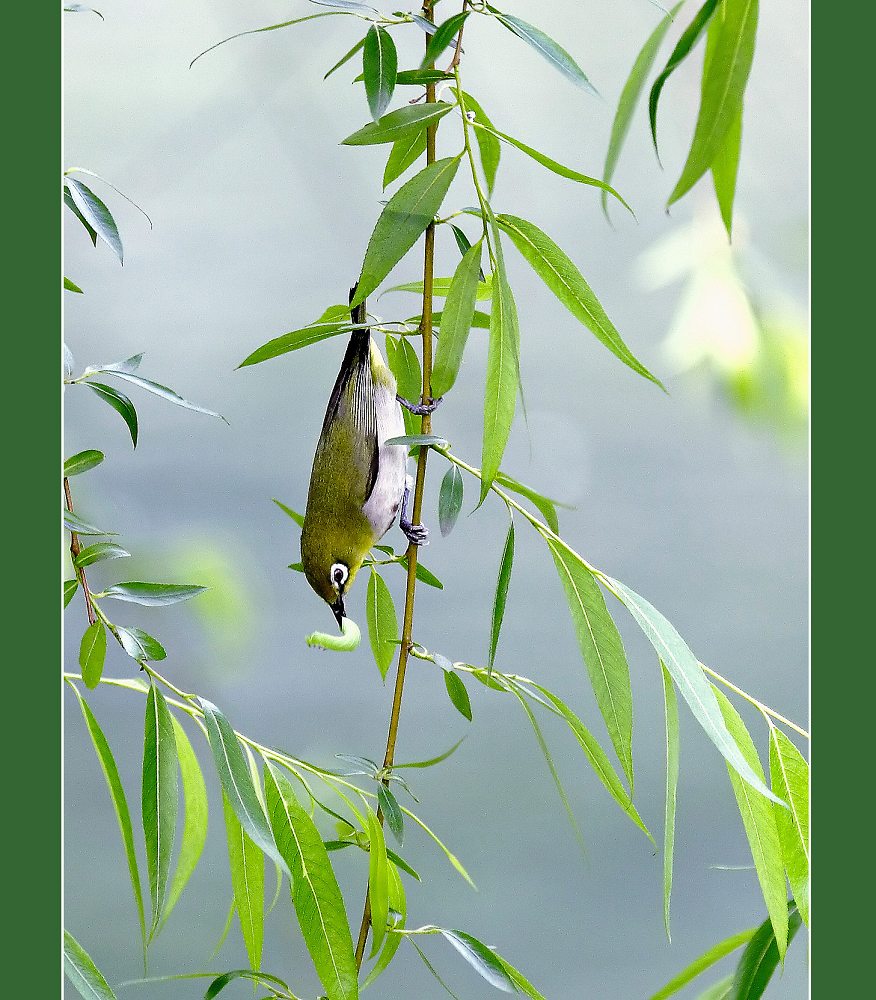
<point x="416" y="534"/>
<point x="420" y="409"/>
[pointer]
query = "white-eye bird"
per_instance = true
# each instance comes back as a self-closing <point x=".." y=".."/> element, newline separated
<point x="358" y="482"/>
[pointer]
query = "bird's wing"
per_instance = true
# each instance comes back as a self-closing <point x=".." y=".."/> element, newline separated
<point x="349" y="430"/>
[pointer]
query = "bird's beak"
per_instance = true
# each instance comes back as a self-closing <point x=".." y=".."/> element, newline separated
<point x="338" y="609"/>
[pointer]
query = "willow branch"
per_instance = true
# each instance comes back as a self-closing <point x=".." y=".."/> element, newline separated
<point x="75" y="549"/>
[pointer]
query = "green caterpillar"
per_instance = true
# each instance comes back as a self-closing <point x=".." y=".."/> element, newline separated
<point x="346" y="642"/>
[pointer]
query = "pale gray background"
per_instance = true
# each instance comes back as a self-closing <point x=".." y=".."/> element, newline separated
<point x="260" y="223"/>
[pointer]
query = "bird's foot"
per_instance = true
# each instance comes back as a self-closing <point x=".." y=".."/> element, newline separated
<point x="420" y="409"/>
<point x="416" y="534"/>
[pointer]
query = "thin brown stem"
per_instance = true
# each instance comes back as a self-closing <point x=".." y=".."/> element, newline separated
<point x="419" y="484"/>
<point x="75" y="549"/>
<point x="457" y="52"/>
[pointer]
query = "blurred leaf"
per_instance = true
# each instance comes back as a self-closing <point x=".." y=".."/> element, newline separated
<point x="68" y="201"/>
<point x="456" y="319"/>
<point x="247" y="866"/>
<point x="92" y="653"/>
<point x="759" y="820"/>
<point x="83" y="973"/>
<point x="457" y="693"/>
<point x="98" y="216"/>
<point x="545" y="505"/>
<point x="670" y="705"/>
<point x="403" y="220"/>
<point x="258" y="978"/>
<point x="725" y="168"/>
<point x="294" y="341"/>
<point x="446" y="33"/>
<point x="489" y="147"/>
<point x="73" y="522"/>
<point x="395" y="125"/>
<point x="160" y="390"/>
<point x="424" y="23"/>
<point x="397" y="903"/>
<point x="348" y="5"/>
<point x="690" y="679"/>
<point x="392" y="813"/>
<point x="153" y="594"/>
<point x="547" y="48"/>
<point x="296" y="517"/>
<point x="404" y="153"/>
<point x="382" y="622"/>
<point x="432" y="969"/>
<point x="139" y="645"/>
<point x="194" y="834"/>
<point x="378" y="889"/>
<point x="236" y="781"/>
<point x="502" y="582"/>
<point x="345" y="58"/>
<point x="379" y="66"/>
<point x="705" y="961"/>
<point x="718" y="991"/>
<point x="450" y="498"/>
<point x="160" y="798"/>
<point x="98" y="552"/>
<point x="120" y="804"/>
<point x="630" y="96"/>
<point x="269" y="27"/>
<point x="561" y="276"/>
<point x="128" y="365"/>
<point x="81" y="8"/>
<point x="70" y="587"/>
<point x="761" y="958"/>
<point x="789" y="778"/>
<point x="120" y="403"/>
<point x="723" y="87"/>
<point x="82" y="462"/>
<point x="481" y="958"/>
<point x="602" y="650"/>
<point x="682" y="50"/>
<point x="71" y="286"/>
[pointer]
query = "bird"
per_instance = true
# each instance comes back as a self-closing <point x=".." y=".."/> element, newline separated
<point x="358" y="482"/>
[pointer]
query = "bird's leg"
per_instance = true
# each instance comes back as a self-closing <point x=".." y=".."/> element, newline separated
<point x="420" y="409"/>
<point x="416" y="534"/>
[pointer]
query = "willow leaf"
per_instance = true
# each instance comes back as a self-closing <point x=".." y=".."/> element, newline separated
<point x="456" y="321"/>
<point x="395" y="125"/>
<point x="404" y="153"/>
<point x="247" y="866"/>
<point x="548" y="49"/>
<point x="379" y="67"/>
<point x="761" y="958"/>
<point x="789" y="777"/>
<point x="705" y="961"/>
<point x="503" y="580"/>
<point x="378" y="887"/>
<point x="83" y="973"/>
<point x="98" y="216"/>
<point x="398" y="904"/>
<point x="450" y="498"/>
<point x="672" y="754"/>
<point x="382" y="622"/>
<point x="489" y="147"/>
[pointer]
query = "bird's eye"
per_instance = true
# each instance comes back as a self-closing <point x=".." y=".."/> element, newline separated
<point x="339" y="575"/>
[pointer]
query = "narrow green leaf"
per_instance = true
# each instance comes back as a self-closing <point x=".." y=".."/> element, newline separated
<point x="689" y="678"/>
<point x="258" y="978"/>
<point x="419" y="441"/>
<point x="247" y="866"/>
<point x="82" y="462"/>
<point x="97" y="215"/>
<point x="128" y="365"/>
<point x="432" y="969"/>
<point x="413" y="117"/>
<point x="561" y="276"/>
<point x="98" y="552"/>
<point x="597" y="758"/>
<point x="602" y="650"/>
<point x="456" y="320"/>
<point x="403" y="220"/>
<point x="68" y="201"/>
<point x="789" y="778"/>
<point x="92" y="653"/>
<point x="441" y="286"/>
<point x="398" y="904"/>
<point x="481" y="958"/>
<point x="718" y="991"/>
<point x="446" y="33"/>
<point x="725" y="168"/>
<point x="682" y="50"/>
<point x="120" y="804"/>
<point x="236" y="781"/>
<point x="268" y="27"/>
<point x="119" y="402"/>
<point x="759" y="820"/>
<point x="547" y="506"/>
<point x="70" y="588"/>
<point x="705" y="961"/>
<point x="153" y="595"/>
<point x="761" y="958"/>
<point x="464" y="244"/>
<point x="404" y="153"/>
<point x="457" y="693"/>
<point x="160" y="390"/>
<point x="74" y="523"/>
<point x="722" y="92"/>
<point x="378" y="889"/>
<point x="194" y="834"/>
<point x="83" y="973"/>
<point x="451" y="857"/>
<point x="160" y="798"/>
<point x="670" y="705"/>
<point x="71" y="286"/>
<point x="379" y="66"/>
<point x="548" y="49"/>
<point x="392" y="813"/>
<point x="405" y="365"/>
<point x="382" y="622"/>
<point x="139" y="645"/>
<point x="345" y="58"/>
<point x="423" y="575"/>
<point x="629" y="98"/>
<point x="432" y="761"/>
<point x="556" y="167"/>
<point x="499" y="600"/>
<point x="450" y="498"/>
<point x="295" y="340"/>
<point x="503" y="379"/>
<point x="421" y="77"/>
<point x="489" y="147"/>
<point x="296" y="517"/>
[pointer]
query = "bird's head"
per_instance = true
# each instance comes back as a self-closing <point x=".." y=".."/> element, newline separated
<point x="330" y="571"/>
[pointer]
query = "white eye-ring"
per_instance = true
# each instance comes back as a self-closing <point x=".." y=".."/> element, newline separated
<point x="339" y="574"/>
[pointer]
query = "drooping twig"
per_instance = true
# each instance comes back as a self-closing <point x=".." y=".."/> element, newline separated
<point x="75" y="549"/>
